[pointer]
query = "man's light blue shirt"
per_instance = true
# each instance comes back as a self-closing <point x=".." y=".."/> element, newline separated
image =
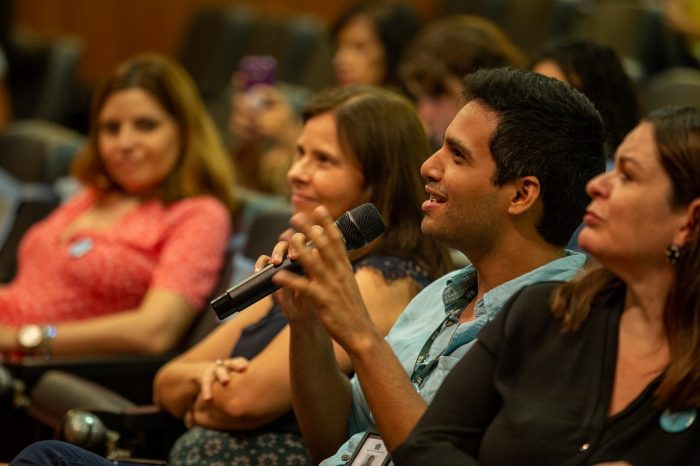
<point x="422" y="317"/>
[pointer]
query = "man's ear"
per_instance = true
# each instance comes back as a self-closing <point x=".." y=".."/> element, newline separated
<point x="526" y="192"/>
<point x="690" y="225"/>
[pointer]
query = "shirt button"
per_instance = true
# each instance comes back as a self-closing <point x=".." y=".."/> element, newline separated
<point x="345" y="457"/>
<point x="584" y="447"/>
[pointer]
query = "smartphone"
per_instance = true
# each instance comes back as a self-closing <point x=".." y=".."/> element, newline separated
<point x="371" y="451"/>
<point x="258" y="69"/>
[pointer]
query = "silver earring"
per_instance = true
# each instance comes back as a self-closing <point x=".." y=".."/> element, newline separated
<point x="673" y="253"/>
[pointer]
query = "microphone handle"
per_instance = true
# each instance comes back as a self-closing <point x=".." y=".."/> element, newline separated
<point x="252" y="289"/>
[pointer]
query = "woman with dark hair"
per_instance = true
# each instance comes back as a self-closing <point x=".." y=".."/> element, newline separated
<point x="370" y="39"/>
<point x="604" y="368"/>
<point x="598" y="73"/>
<point x="359" y="144"/>
<point x="126" y="264"/>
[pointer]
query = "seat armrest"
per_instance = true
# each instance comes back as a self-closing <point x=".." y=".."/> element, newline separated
<point x="94" y="417"/>
<point x="57" y="392"/>
<point x="131" y="376"/>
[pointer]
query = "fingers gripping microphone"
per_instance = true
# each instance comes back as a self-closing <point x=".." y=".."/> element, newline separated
<point x="358" y="227"/>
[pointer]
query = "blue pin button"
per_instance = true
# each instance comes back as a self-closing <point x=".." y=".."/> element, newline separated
<point x="80" y="247"/>
<point x="677" y="422"/>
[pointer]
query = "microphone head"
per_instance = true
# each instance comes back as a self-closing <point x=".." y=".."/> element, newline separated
<point x="84" y="429"/>
<point x="361" y="225"/>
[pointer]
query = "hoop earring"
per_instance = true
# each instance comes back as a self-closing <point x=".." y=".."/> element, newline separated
<point x="673" y="253"/>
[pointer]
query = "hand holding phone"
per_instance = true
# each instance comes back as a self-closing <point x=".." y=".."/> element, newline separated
<point x="258" y="69"/>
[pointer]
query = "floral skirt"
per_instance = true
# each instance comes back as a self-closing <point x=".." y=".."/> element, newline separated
<point x="205" y="447"/>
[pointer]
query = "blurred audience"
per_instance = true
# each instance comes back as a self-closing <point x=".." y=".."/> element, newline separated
<point x="507" y="190"/>
<point x="596" y="71"/>
<point x="440" y="56"/>
<point x="611" y="371"/>
<point x="126" y="264"/>
<point x="369" y="40"/>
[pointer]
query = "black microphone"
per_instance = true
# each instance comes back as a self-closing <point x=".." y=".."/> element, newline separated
<point x="358" y="226"/>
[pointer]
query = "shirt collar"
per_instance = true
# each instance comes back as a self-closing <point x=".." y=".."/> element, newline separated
<point x="454" y="295"/>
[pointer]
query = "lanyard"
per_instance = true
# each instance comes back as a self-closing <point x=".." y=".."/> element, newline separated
<point x="420" y="369"/>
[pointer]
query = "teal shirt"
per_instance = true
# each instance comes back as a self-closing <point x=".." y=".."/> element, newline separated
<point x="422" y="317"/>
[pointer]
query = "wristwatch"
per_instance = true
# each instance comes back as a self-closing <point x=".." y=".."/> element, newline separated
<point x="34" y="338"/>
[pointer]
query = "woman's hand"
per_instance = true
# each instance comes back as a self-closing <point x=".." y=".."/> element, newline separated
<point x="280" y="251"/>
<point x="218" y="372"/>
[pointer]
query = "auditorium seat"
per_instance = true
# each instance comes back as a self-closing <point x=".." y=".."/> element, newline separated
<point x="216" y="39"/>
<point x="528" y="23"/>
<point x="637" y="32"/>
<point x="34" y="156"/>
<point x="531" y="23"/>
<point x="675" y="86"/>
<point x="43" y="79"/>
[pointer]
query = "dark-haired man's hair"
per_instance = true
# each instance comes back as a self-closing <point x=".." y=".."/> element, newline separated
<point x="545" y="129"/>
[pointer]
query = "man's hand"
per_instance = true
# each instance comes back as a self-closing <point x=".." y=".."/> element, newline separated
<point x="329" y="288"/>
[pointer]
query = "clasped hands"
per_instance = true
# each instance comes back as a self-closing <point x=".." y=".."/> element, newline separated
<point x="216" y="372"/>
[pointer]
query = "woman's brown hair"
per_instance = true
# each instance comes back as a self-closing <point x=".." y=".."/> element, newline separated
<point x="677" y="136"/>
<point x="204" y="166"/>
<point x="380" y="129"/>
<point x="456" y="46"/>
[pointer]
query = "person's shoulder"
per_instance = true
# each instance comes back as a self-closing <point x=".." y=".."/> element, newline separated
<point x="539" y="290"/>
<point x="198" y="213"/>
<point x="81" y="199"/>
<point x="392" y="268"/>
<point x="199" y="206"/>
<point x="535" y="294"/>
<point x="531" y="304"/>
